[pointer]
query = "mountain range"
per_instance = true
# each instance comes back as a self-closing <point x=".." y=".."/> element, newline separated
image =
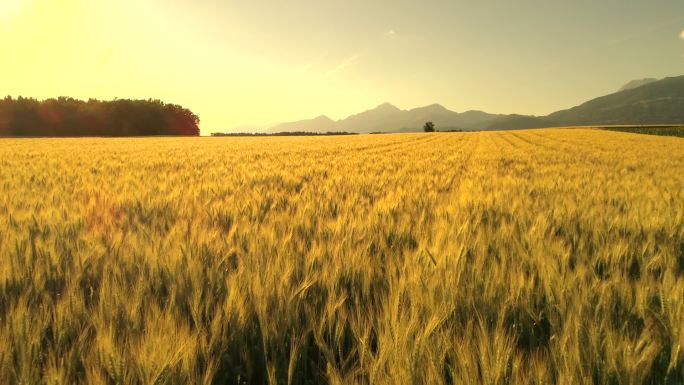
<point x="644" y="101"/>
<point x="387" y="117"/>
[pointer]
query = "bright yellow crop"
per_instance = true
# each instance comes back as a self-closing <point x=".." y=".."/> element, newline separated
<point x="532" y="257"/>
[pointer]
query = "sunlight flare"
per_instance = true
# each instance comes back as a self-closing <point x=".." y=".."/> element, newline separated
<point x="9" y="8"/>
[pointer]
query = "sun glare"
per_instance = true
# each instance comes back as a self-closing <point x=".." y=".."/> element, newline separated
<point x="9" y="8"/>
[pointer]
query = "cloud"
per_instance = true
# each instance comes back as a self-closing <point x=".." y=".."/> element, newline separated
<point x="393" y="33"/>
<point x="343" y="64"/>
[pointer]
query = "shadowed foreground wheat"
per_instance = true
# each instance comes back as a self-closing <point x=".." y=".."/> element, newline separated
<point x="537" y="257"/>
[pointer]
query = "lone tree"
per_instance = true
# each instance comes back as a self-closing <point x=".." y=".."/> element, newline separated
<point x="429" y="127"/>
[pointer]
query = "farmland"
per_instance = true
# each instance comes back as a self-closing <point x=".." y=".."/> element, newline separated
<point x="527" y="257"/>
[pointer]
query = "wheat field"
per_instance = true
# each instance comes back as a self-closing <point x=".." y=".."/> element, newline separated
<point x="533" y="257"/>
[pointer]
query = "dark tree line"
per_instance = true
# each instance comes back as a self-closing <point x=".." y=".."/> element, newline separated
<point x="286" y="133"/>
<point x="70" y="117"/>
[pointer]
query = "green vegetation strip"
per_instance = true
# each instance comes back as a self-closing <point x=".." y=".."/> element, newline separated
<point x="650" y="130"/>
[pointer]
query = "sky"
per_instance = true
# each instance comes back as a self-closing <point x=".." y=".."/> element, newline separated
<point x="241" y="62"/>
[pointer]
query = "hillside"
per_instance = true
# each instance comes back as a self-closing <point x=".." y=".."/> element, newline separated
<point x="653" y="102"/>
<point x="518" y="122"/>
<point x="319" y="124"/>
<point x="660" y="102"/>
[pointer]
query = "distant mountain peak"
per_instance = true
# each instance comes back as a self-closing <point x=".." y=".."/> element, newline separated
<point x="320" y="123"/>
<point x="435" y="107"/>
<point x="637" y="83"/>
<point x="387" y="106"/>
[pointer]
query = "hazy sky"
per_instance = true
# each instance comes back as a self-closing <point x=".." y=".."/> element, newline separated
<point x="237" y="62"/>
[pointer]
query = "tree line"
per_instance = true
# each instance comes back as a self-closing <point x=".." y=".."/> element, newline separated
<point x="66" y="117"/>
<point x="285" y="133"/>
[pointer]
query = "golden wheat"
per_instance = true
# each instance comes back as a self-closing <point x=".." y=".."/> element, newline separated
<point x="534" y="257"/>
